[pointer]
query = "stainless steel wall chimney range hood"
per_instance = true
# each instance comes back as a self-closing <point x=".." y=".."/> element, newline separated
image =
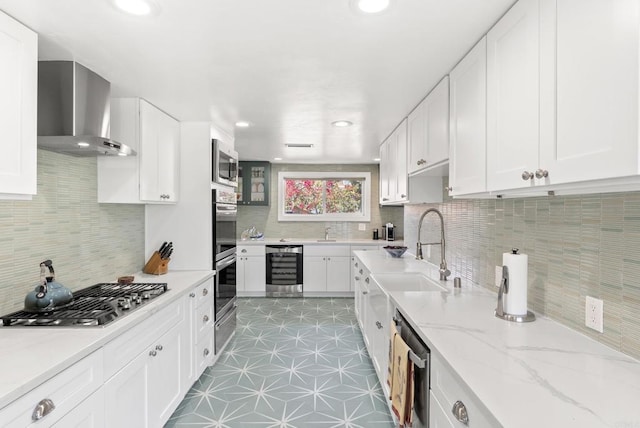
<point x="74" y="111"/>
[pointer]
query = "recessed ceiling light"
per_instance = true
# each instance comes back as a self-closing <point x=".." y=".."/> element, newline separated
<point x="136" y="7"/>
<point x="341" y="123"/>
<point x="372" y="6"/>
<point x="83" y="144"/>
<point x="243" y="124"/>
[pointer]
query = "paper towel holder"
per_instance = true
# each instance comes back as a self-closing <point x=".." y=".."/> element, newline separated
<point x="504" y="289"/>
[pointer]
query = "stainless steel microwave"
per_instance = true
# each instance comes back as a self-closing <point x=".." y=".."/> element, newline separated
<point x="225" y="164"/>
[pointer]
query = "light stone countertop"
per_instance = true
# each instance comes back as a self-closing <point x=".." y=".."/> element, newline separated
<point x="538" y="374"/>
<point x="31" y="355"/>
<point x="309" y="241"/>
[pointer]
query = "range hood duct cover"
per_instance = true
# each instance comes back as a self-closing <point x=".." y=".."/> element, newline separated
<point x="74" y="107"/>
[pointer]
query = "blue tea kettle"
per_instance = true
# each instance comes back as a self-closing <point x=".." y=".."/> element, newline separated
<point x="48" y="294"/>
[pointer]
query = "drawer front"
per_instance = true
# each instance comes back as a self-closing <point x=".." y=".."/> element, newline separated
<point x="120" y="351"/>
<point x="204" y="292"/>
<point x="250" y="250"/>
<point x="438" y="417"/>
<point x="204" y="320"/>
<point x="327" y="250"/>
<point x="204" y="353"/>
<point x="448" y="389"/>
<point x="66" y="390"/>
<point x="365" y="248"/>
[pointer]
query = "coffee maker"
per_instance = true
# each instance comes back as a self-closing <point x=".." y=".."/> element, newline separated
<point x="388" y="232"/>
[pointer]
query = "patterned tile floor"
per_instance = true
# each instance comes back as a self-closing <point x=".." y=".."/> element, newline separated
<point x="293" y="363"/>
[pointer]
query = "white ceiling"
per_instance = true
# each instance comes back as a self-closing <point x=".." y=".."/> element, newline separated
<point x="290" y="67"/>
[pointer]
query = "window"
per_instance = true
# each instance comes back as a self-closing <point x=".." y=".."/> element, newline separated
<point x="324" y="196"/>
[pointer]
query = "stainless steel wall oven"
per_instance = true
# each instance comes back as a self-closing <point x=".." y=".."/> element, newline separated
<point x="284" y="270"/>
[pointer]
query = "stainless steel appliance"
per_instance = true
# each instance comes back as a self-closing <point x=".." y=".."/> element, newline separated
<point x="97" y="305"/>
<point x="74" y="111"/>
<point x="224" y="242"/>
<point x="225" y="164"/>
<point x="420" y="356"/>
<point x="284" y="270"/>
<point x="225" y="211"/>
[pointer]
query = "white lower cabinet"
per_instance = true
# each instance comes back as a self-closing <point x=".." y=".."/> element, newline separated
<point x="326" y="269"/>
<point x="438" y="417"/>
<point x="251" y="270"/>
<point x="66" y="392"/>
<point x="377" y="324"/>
<point x="149" y="388"/>
<point x="88" y="414"/>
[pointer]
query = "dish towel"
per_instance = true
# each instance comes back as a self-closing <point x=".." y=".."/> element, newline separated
<point x="390" y="367"/>
<point x="402" y="382"/>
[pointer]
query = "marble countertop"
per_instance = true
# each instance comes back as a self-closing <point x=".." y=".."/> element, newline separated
<point x="305" y="241"/>
<point x="31" y="355"/>
<point x="538" y="374"/>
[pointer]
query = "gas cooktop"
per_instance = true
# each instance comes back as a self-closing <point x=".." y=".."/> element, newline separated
<point x="97" y="305"/>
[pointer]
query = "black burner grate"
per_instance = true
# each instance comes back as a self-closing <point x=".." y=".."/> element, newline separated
<point x="95" y="305"/>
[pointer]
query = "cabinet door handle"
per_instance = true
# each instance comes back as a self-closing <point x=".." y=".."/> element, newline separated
<point x="205" y="291"/>
<point x="361" y="271"/>
<point x="379" y="325"/>
<point x="159" y="347"/>
<point x="403" y="196"/>
<point x="205" y="352"/>
<point x="385" y="199"/>
<point x="448" y="188"/>
<point x="356" y="264"/>
<point x="459" y="410"/>
<point x="205" y="319"/>
<point x="244" y="250"/>
<point x="542" y="173"/>
<point x="357" y="278"/>
<point x="42" y="409"/>
<point x="153" y="352"/>
<point x="365" y="292"/>
<point x="192" y="294"/>
<point x="526" y="175"/>
<point x="366" y="280"/>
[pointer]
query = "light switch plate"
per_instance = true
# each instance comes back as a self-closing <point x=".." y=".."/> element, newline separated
<point x="498" y="276"/>
<point x="362" y="226"/>
<point x="594" y="314"/>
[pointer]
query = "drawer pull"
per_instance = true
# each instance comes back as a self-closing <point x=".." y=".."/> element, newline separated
<point x="361" y="271"/>
<point x="159" y="347"/>
<point x="205" y="291"/>
<point x="366" y="280"/>
<point x="379" y="325"/>
<point x="357" y="278"/>
<point x="460" y="412"/>
<point x="43" y="408"/>
<point x="192" y="294"/>
<point x="365" y="292"/>
<point x="205" y="352"/>
<point x="205" y="319"/>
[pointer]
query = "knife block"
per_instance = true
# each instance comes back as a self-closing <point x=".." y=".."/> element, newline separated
<point x="156" y="265"/>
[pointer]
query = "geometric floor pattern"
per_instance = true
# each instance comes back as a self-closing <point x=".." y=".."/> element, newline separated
<point x="293" y="363"/>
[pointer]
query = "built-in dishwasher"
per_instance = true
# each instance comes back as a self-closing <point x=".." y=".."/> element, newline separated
<point x="420" y="355"/>
<point x="284" y="270"/>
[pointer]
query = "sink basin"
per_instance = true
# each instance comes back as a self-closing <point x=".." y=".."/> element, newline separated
<point x="326" y="240"/>
<point x="409" y="281"/>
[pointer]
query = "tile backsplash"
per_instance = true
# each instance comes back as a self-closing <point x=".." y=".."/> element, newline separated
<point x="577" y="246"/>
<point x="87" y="242"/>
<point x="265" y="218"/>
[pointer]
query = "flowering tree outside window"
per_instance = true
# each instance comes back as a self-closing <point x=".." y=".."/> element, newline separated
<point x="323" y="196"/>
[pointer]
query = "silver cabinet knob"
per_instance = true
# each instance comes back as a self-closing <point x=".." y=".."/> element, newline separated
<point x="460" y="412"/>
<point x="365" y="292"/>
<point x="448" y="189"/>
<point x="159" y="347"/>
<point x="205" y="319"/>
<point x="403" y="196"/>
<point x="361" y="271"/>
<point x="153" y="352"/>
<point x="542" y="173"/>
<point x="357" y="278"/>
<point x="205" y="291"/>
<point x="356" y="264"/>
<point x="379" y="325"/>
<point x="244" y="250"/>
<point x="42" y="409"/>
<point x="205" y="352"/>
<point x="192" y="294"/>
<point x="366" y="280"/>
<point x="526" y="175"/>
<point x="385" y="199"/>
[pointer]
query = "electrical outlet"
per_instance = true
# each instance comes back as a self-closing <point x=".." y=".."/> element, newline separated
<point x="362" y="226"/>
<point x="498" y="279"/>
<point x="594" y="314"/>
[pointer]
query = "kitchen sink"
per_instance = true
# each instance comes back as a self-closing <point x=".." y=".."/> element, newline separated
<point x="407" y="281"/>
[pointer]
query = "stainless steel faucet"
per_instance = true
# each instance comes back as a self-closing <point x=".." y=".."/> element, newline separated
<point x="326" y="233"/>
<point x="444" y="272"/>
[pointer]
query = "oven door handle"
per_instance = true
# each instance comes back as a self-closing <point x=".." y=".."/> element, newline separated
<point x="226" y="262"/>
<point x="417" y="361"/>
<point x="228" y="315"/>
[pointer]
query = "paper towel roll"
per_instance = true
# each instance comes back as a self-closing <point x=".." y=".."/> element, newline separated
<point x="515" y="301"/>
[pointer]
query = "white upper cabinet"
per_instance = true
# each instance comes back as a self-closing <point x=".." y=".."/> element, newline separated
<point x="428" y="130"/>
<point x="513" y="98"/>
<point x="18" y="109"/>
<point x="467" y="127"/>
<point x="596" y="99"/>
<point x="393" y="166"/>
<point x="153" y="175"/>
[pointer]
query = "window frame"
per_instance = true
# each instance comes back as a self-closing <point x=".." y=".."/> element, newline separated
<point x="364" y="216"/>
